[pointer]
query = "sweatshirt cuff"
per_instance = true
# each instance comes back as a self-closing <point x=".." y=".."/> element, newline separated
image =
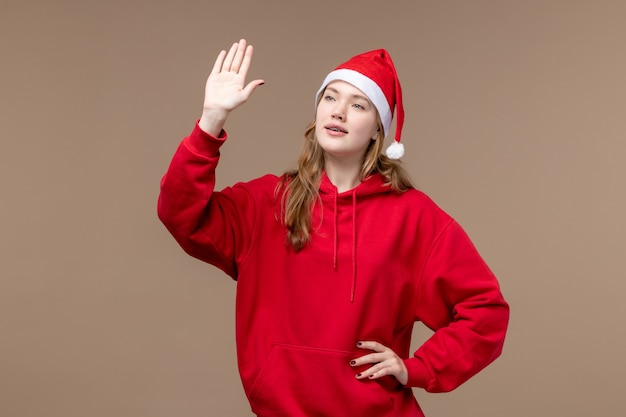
<point x="203" y="143"/>
<point x="418" y="375"/>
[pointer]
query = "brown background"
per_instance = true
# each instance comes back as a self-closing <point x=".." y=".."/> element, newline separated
<point x="515" y="125"/>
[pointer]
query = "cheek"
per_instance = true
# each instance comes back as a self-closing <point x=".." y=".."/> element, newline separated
<point x="318" y="120"/>
<point x="317" y="115"/>
<point x="321" y="111"/>
<point x="368" y="126"/>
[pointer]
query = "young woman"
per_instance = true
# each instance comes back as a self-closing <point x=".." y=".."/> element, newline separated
<point x="336" y="260"/>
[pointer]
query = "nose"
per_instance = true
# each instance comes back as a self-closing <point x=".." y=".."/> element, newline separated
<point x="338" y="116"/>
<point x="339" y="113"/>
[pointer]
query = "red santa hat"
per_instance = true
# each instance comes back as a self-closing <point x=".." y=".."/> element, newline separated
<point x="375" y="75"/>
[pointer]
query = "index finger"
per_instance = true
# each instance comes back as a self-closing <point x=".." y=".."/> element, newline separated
<point x="371" y="345"/>
<point x="219" y="61"/>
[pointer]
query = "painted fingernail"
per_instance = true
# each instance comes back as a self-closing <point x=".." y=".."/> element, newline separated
<point x="359" y="344"/>
<point x="358" y="375"/>
<point x="352" y="363"/>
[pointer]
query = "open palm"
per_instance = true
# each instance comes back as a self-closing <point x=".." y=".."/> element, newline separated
<point x="225" y="88"/>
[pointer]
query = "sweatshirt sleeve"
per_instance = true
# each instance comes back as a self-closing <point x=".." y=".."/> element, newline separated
<point x="459" y="298"/>
<point x="209" y="225"/>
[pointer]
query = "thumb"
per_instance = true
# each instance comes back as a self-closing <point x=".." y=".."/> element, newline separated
<point x="252" y="85"/>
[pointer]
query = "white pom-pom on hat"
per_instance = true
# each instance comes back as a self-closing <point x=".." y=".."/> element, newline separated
<point x="395" y="150"/>
<point x="375" y="75"/>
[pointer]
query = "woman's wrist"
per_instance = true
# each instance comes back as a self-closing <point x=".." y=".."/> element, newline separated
<point x="212" y="121"/>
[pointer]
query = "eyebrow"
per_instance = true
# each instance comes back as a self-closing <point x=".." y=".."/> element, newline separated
<point x="353" y="95"/>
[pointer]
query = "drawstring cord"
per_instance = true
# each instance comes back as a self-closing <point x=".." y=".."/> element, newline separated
<point x="335" y="233"/>
<point x="353" y="247"/>
<point x="336" y="241"/>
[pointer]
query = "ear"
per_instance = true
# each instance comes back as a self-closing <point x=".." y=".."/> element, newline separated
<point x="375" y="136"/>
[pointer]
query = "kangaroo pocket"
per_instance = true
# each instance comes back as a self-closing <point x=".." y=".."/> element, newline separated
<point x="301" y="381"/>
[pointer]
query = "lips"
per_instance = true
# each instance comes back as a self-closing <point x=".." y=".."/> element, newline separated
<point x="335" y="128"/>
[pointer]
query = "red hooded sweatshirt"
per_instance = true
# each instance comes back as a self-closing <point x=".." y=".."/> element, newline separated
<point x="378" y="262"/>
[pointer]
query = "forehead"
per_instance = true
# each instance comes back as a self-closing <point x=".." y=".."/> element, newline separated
<point x="345" y="88"/>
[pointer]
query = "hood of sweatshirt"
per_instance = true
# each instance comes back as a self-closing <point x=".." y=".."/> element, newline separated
<point x="333" y="202"/>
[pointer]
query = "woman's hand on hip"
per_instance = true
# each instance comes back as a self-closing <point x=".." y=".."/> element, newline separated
<point x="385" y="362"/>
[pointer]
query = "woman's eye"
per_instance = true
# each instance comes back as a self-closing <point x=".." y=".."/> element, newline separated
<point x="328" y="98"/>
<point x="358" y="106"/>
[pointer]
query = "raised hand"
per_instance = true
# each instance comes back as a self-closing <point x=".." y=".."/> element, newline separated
<point x="385" y="362"/>
<point x="226" y="87"/>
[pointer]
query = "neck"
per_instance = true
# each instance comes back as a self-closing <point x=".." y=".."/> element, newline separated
<point x="343" y="176"/>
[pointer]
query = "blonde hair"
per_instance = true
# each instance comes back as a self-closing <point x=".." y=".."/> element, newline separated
<point x="299" y="188"/>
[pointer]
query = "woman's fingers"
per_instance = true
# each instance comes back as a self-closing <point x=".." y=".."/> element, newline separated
<point x="236" y="61"/>
<point x="371" y="345"/>
<point x="232" y="61"/>
<point x="230" y="56"/>
<point x="252" y="85"/>
<point x="384" y="360"/>
<point x="240" y="53"/>
<point x="246" y="59"/>
<point x="219" y="63"/>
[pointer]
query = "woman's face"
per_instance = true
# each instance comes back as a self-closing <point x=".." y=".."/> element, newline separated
<point x="346" y="121"/>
